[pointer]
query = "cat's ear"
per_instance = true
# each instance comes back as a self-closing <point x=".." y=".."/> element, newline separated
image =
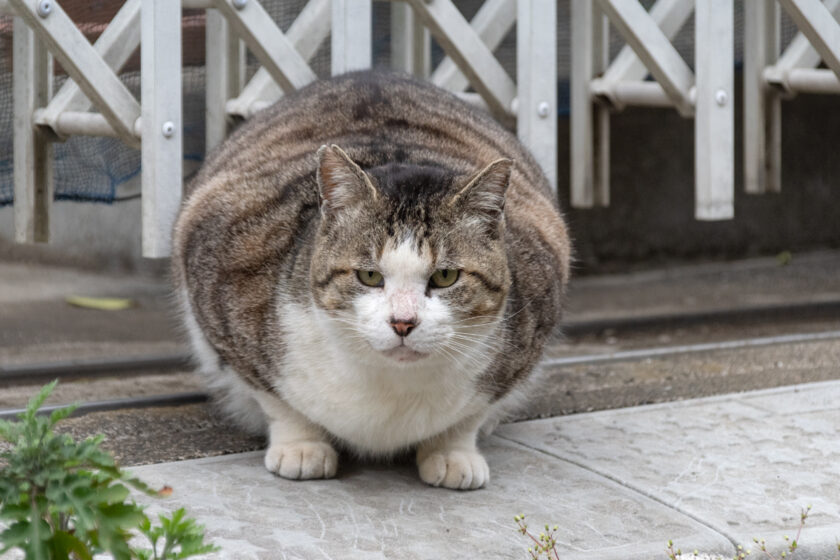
<point x="341" y="181"/>
<point x="484" y="193"/>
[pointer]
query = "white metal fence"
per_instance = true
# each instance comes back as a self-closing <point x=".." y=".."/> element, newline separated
<point x="43" y="30"/>
<point x="648" y="71"/>
<point x="601" y="86"/>
<point x="770" y="76"/>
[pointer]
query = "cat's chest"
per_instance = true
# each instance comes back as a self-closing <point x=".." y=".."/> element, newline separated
<point x="376" y="409"/>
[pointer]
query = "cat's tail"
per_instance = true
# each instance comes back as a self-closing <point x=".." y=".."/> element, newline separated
<point x="230" y="393"/>
<point x="235" y="398"/>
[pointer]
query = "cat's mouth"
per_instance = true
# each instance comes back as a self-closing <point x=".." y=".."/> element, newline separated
<point x="403" y="353"/>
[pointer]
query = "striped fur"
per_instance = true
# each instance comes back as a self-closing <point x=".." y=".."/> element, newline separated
<point x="252" y="239"/>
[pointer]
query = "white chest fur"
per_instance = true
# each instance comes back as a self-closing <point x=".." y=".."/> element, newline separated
<point x="375" y="405"/>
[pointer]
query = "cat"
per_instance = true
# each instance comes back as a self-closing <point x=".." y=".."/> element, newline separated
<point x="371" y="265"/>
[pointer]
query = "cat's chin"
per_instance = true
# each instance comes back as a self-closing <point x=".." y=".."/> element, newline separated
<point x="404" y="354"/>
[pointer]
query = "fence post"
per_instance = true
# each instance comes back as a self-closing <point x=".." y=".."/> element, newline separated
<point x="351" y="43"/>
<point x="714" y="122"/>
<point x="224" y="71"/>
<point x="411" y="45"/>
<point x="162" y="123"/>
<point x="762" y="105"/>
<point x="536" y="65"/>
<point x="580" y="119"/>
<point x="33" y="152"/>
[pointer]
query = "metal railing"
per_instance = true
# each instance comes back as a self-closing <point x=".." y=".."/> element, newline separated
<point x="770" y="77"/>
<point x="42" y="30"/>
<point x="601" y="86"/>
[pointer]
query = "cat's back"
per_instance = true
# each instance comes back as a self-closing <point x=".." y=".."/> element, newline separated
<point x="268" y="166"/>
<point x="376" y="118"/>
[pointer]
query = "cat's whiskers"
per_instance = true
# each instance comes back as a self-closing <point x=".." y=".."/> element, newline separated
<point x="351" y="324"/>
<point x="490" y="344"/>
<point x="499" y="333"/>
<point x="501" y="339"/>
<point x="449" y="356"/>
<point x="470" y="348"/>
<point x="460" y="362"/>
<point x="495" y="318"/>
<point x="484" y="333"/>
<point x="487" y="379"/>
<point x="350" y="334"/>
<point x="346" y="325"/>
<point x="490" y="341"/>
<point x="461" y="350"/>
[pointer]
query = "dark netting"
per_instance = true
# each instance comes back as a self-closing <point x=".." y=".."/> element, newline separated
<point x="92" y="169"/>
<point x="6" y="116"/>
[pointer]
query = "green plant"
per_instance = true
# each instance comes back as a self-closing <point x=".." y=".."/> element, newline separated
<point x="791" y="545"/>
<point x="182" y="538"/>
<point x="544" y="543"/>
<point x="62" y="499"/>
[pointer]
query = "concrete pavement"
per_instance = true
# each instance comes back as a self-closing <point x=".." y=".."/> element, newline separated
<point x="709" y="474"/>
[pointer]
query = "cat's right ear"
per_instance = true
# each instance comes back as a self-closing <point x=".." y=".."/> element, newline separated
<point x="341" y="182"/>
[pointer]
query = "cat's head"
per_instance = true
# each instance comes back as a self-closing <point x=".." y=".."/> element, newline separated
<point x="409" y="261"/>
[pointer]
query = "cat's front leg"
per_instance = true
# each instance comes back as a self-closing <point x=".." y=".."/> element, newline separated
<point x="452" y="459"/>
<point x="297" y="448"/>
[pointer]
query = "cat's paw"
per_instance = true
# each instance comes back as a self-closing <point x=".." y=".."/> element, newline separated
<point x="454" y="468"/>
<point x="302" y="460"/>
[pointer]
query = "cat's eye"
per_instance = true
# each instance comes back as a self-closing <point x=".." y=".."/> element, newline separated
<point x="370" y="278"/>
<point x="444" y="278"/>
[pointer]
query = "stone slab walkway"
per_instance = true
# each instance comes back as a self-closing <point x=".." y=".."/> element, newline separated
<point x="709" y="474"/>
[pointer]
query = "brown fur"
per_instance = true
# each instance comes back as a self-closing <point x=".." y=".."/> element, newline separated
<point x="252" y="219"/>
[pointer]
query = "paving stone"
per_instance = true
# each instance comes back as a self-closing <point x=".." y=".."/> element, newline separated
<point x="742" y="464"/>
<point x="811" y="398"/>
<point x="384" y="511"/>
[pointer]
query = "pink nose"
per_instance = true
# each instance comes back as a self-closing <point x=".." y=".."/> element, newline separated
<point x="402" y="327"/>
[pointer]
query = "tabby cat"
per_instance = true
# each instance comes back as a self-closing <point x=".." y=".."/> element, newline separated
<point x="370" y="265"/>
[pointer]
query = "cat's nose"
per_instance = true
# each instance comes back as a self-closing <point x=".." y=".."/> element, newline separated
<point x="403" y="326"/>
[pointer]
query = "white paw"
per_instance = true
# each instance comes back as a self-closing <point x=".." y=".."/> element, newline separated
<point x="302" y="460"/>
<point x="457" y="469"/>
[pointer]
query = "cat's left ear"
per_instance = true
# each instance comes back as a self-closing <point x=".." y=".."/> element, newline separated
<point x="341" y="181"/>
<point x="484" y="193"/>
